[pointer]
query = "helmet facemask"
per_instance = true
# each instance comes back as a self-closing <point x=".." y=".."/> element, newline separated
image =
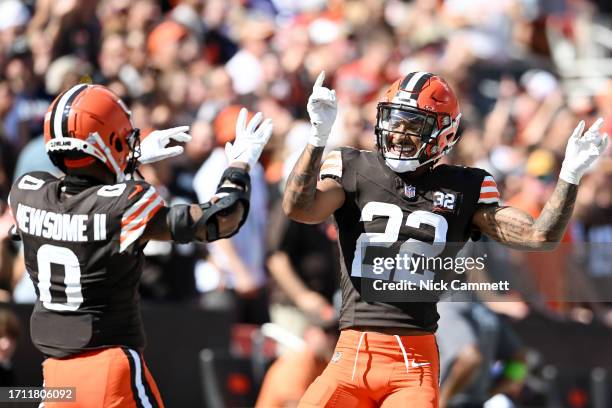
<point x="419" y="110"/>
<point x="133" y="141"/>
<point x="406" y="136"/>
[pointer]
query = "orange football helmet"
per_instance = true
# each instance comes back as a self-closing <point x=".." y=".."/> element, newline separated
<point x="420" y="105"/>
<point x="89" y="122"/>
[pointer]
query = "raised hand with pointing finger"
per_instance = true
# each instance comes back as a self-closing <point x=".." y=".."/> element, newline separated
<point x="322" y="108"/>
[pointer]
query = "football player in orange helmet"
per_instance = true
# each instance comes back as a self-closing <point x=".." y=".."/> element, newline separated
<point x="84" y="234"/>
<point x="399" y="196"/>
<point x="414" y="128"/>
<point x="90" y="122"/>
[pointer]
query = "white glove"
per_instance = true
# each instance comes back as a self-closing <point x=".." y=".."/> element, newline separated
<point x="153" y="146"/>
<point x="581" y="152"/>
<point x="322" y="109"/>
<point x="250" y="139"/>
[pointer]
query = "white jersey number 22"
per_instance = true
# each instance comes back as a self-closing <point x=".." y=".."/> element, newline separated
<point x="390" y="236"/>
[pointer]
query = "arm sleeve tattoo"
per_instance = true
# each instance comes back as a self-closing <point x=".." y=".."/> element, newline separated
<point x="518" y="229"/>
<point x="301" y="185"/>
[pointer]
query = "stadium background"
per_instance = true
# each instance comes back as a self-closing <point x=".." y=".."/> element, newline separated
<point x="526" y="71"/>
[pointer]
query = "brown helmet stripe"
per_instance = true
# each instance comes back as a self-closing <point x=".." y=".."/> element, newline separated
<point x="414" y="82"/>
<point x="421" y="81"/>
<point x="405" y="81"/>
<point x="51" y="127"/>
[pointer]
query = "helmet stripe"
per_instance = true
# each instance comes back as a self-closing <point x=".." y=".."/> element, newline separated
<point x="66" y="113"/>
<point x="51" y="127"/>
<point x="405" y="81"/>
<point x="62" y="110"/>
<point x="421" y="81"/>
<point x="411" y="85"/>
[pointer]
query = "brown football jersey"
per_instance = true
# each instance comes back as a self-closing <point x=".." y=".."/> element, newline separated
<point x="84" y="257"/>
<point x="395" y="219"/>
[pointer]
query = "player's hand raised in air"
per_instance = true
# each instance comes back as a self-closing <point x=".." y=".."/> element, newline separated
<point x="322" y="108"/>
<point x="582" y="150"/>
<point x="250" y="139"/>
<point x="153" y="146"/>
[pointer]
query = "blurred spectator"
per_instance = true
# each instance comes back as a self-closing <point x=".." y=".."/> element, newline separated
<point x="245" y="66"/>
<point x="196" y="152"/>
<point x="113" y="56"/>
<point x="65" y="72"/>
<point x="30" y="99"/>
<point x="9" y="335"/>
<point x="546" y="269"/>
<point x="593" y="232"/>
<point x="165" y="44"/>
<point x="304" y="271"/>
<point x="66" y="27"/>
<point x="218" y="46"/>
<point x="167" y="274"/>
<point x="359" y="81"/>
<point x="14" y="18"/>
<point x="276" y="390"/>
<point x="594" y="217"/>
<point x="234" y="274"/>
<point x="8" y="254"/>
<point x="480" y="356"/>
<point x="221" y="94"/>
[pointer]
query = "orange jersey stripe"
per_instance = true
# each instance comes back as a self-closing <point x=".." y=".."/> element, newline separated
<point x="150" y="215"/>
<point x="489" y="195"/>
<point x="489" y="184"/>
<point x="139" y="210"/>
<point x="137" y="189"/>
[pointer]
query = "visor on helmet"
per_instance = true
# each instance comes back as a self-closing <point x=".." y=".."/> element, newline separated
<point x="406" y="127"/>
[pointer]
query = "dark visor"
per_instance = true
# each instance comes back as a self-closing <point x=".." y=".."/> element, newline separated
<point x="412" y="122"/>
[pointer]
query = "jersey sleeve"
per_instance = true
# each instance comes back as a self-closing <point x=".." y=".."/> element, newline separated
<point x="27" y="190"/>
<point x="332" y="166"/>
<point x="143" y="202"/>
<point x="489" y="194"/>
<point x="340" y="165"/>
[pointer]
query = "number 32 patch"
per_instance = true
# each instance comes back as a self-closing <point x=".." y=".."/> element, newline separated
<point x="443" y="201"/>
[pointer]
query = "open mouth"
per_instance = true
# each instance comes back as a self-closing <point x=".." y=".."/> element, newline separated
<point x="405" y="149"/>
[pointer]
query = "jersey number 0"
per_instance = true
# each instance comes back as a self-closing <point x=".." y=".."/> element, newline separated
<point x="48" y="254"/>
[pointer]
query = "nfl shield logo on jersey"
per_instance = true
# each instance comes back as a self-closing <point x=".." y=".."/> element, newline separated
<point x="336" y="357"/>
<point x="409" y="191"/>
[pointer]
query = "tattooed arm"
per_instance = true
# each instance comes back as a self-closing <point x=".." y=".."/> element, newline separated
<point x="515" y="228"/>
<point x="306" y="200"/>
<point x="519" y="230"/>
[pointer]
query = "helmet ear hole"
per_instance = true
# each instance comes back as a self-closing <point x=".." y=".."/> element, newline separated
<point x="118" y="145"/>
